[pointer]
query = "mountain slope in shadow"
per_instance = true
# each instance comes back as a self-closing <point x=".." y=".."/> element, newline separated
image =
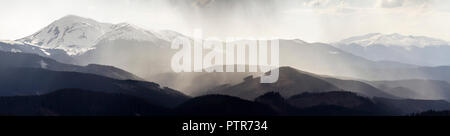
<point x="338" y="103"/>
<point x="433" y="113"/>
<point x="76" y="102"/>
<point x="31" y="81"/>
<point x="292" y="82"/>
<point x="416" y="88"/>
<point x="409" y="106"/>
<point x="23" y="60"/>
<point x="220" y="105"/>
<point x="341" y="103"/>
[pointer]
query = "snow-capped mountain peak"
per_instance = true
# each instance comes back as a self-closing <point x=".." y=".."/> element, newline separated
<point x="76" y="35"/>
<point x="394" y="39"/>
<point x="71" y="33"/>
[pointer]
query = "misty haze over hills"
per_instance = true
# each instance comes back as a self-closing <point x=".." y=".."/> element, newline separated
<point x="384" y="74"/>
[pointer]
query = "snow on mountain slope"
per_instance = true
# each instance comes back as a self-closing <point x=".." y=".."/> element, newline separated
<point x="71" y="33"/>
<point x="76" y="35"/>
<point x="12" y="42"/>
<point x="125" y="31"/>
<point x="20" y="47"/>
<point x="392" y="40"/>
<point x="417" y="50"/>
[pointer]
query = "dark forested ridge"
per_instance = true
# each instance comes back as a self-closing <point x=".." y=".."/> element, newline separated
<point x="24" y="60"/>
<point x="31" y="81"/>
<point x="433" y="113"/>
<point x="77" y="102"/>
<point x="222" y="105"/>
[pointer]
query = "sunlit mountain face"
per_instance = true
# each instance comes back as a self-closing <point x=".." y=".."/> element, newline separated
<point x="329" y="58"/>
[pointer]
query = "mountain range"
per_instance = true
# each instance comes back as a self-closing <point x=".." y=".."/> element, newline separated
<point x="147" y="53"/>
<point x="80" y="60"/>
<point x="292" y="82"/>
<point x="417" y="50"/>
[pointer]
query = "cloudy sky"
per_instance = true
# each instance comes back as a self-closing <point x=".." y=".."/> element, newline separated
<point x="309" y="20"/>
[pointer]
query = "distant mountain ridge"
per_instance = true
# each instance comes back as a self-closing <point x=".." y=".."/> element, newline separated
<point x="417" y="50"/>
<point x="394" y="39"/>
<point x="292" y="82"/>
